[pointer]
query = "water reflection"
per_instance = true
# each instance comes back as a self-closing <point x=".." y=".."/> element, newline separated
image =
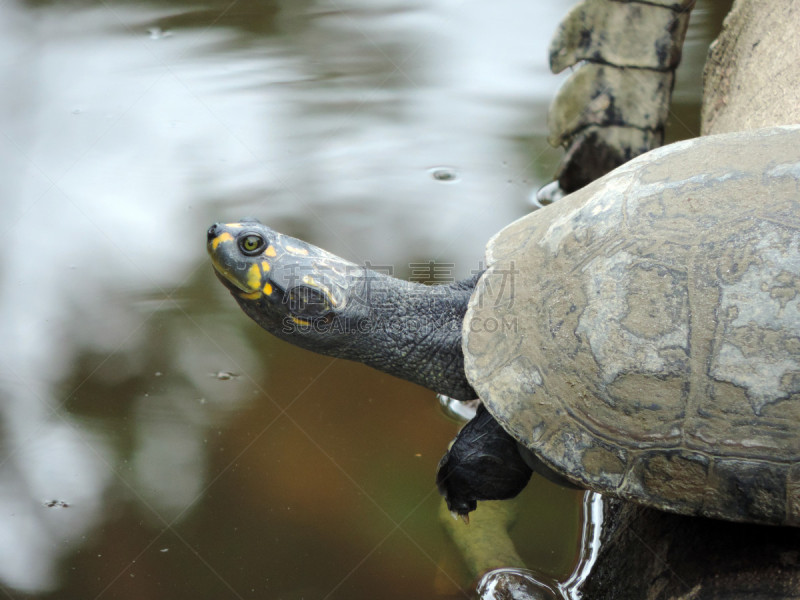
<point x="126" y="128"/>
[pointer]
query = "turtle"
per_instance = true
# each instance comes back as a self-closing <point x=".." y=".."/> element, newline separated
<point x="639" y="337"/>
<point x="615" y="103"/>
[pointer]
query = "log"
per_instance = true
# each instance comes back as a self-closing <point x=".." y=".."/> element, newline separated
<point x="752" y="75"/>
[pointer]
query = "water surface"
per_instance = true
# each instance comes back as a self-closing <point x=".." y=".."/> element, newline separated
<point x="155" y="442"/>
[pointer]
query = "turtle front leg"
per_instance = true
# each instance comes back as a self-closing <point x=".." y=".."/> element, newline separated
<point x="483" y="463"/>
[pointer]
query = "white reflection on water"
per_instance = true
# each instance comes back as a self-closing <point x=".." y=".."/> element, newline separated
<point x="590" y="546"/>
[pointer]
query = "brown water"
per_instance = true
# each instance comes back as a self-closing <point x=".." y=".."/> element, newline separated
<point x="155" y="442"/>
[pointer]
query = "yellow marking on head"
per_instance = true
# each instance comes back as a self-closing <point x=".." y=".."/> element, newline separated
<point x="301" y="322"/>
<point x="222" y="270"/>
<point x="222" y="237"/>
<point x="309" y="280"/>
<point x="254" y="296"/>
<point x="234" y="225"/>
<point x="254" y="277"/>
<point x="296" y="250"/>
<point x="267" y="289"/>
<point x="265" y="266"/>
<point x="270" y="251"/>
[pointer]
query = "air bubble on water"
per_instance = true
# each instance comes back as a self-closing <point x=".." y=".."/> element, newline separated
<point x="546" y="195"/>
<point x="444" y="174"/>
<point x="225" y="375"/>
<point x="457" y="409"/>
<point x="156" y="33"/>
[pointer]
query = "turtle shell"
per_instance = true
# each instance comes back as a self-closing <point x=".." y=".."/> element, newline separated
<point x="642" y="335"/>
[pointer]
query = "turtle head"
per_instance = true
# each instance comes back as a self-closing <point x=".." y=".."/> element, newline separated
<point x="320" y="302"/>
<point x="281" y="282"/>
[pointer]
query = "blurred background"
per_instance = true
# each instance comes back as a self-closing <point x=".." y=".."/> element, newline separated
<point x="155" y="442"/>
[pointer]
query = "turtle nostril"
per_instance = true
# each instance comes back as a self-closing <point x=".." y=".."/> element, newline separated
<point x="213" y="231"/>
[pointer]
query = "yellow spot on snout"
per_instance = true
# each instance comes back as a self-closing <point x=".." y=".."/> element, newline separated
<point x="267" y="289"/>
<point x="295" y="250"/>
<point x="254" y="277"/>
<point x="270" y="251"/>
<point x="222" y="237"/>
<point x="254" y="296"/>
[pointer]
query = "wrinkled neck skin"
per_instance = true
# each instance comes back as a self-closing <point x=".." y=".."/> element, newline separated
<point x="406" y="329"/>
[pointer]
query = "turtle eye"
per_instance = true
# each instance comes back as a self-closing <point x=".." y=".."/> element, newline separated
<point x="251" y="244"/>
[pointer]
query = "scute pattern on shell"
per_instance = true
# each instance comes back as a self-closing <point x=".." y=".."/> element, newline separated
<point x="655" y="351"/>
